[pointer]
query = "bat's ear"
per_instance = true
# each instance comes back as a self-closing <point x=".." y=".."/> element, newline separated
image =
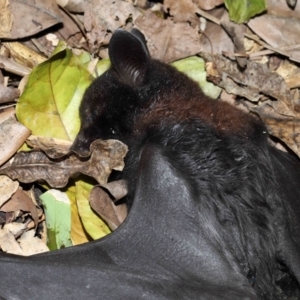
<point x="129" y="56"/>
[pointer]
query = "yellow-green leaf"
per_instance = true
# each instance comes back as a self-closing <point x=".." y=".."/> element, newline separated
<point x="78" y="234"/>
<point x="95" y="227"/>
<point x="50" y="102"/>
<point x="194" y="67"/>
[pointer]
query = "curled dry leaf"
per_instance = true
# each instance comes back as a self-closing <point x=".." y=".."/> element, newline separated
<point x="255" y="80"/>
<point x="7" y="188"/>
<point x="103" y="203"/>
<point x="116" y="189"/>
<point x="20" y="201"/>
<point x="54" y="148"/>
<point x="280" y="116"/>
<point x="12" y="135"/>
<point x="37" y="166"/>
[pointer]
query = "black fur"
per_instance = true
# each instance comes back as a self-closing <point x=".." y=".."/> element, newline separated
<point x="238" y="182"/>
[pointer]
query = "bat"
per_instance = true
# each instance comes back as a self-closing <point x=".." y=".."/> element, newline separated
<point x="213" y="207"/>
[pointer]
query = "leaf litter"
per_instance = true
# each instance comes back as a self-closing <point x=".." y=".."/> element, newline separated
<point x="239" y="49"/>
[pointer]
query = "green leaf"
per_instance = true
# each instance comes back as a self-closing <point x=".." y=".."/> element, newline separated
<point x="49" y="105"/>
<point x="58" y="219"/>
<point x="242" y="10"/>
<point x="194" y="67"/>
<point x="92" y="223"/>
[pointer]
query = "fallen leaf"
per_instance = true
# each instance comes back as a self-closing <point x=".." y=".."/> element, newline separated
<point x="30" y="244"/>
<point x="194" y="67"/>
<point x="168" y="41"/>
<point x="17" y="229"/>
<point x="8" y="242"/>
<point x="20" y="201"/>
<point x="57" y="210"/>
<point x="28" y="17"/>
<point x="49" y="105"/>
<point x="7" y="188"/>
<point x="242" y="10"/>
<point x="78" y="233"/>
<point x="37" y="166"/>
<point x="102" y="18"/>
<point x="95" y="227"/>
<point x="254" y="81"/>
<point x="55" y="148"/>
<point x="182" y="11"/>
<point x="103" y="203"/>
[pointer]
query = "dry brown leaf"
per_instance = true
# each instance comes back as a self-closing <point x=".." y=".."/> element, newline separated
<point x="20" y="201"/>
<point x="12" y="135"/>
<point x="55" y="148"/>
<point x="116" y="189"/>
<point x="280" y="27"/>
<point x="215" y="40"/>
<point x="255" y="80"/>
<point x="102" y="203"/>
<point x="37" y="166"/>
<point x="31" y="17"/>
<point x="7" y="188"/>
<point x="182" y="11"/>
<point x="166" y="40"/>
<point x="280" y="116"/>
<point x="28" y="243"/>
<point x="103" y="17"/>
